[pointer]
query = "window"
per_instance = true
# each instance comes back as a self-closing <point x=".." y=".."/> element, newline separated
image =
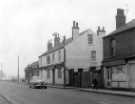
<point x="93" y="55"/>
<point x="59" y="73"/>
<point x="59" y="55"/>
<point x="113" y="47"/>
<point x="53" y="57"/>
<point x="48" y="74"/>
<point x="109" y="73"/>
<point x="90" y="38"/>
<point x="48" y="60"/>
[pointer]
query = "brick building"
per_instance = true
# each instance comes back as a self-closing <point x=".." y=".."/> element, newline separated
<point x="119" y="54"/>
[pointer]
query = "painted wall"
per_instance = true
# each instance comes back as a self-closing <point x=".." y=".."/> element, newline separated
<point x="43" y="76"/>
<point x="78" y="52"/>
<point x="43" y="62"/>
<point x="49" y="80"/>
<point x="59" y="80"/>
<point x="120" y="76"/>
<point x="126" y="76"/>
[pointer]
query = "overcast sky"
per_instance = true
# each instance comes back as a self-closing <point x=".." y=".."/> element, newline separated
<point x="26" y="25"/>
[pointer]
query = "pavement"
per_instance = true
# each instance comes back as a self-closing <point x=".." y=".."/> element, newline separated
<point x="102" y="91"/>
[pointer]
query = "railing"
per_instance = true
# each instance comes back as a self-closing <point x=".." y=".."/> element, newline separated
<point x="118" y="83"/>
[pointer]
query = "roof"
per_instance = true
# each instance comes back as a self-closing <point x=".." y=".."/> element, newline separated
<point x="61" y="45"/>
<point x="33" y="65"/>
<point x="126" y="27"/>
<point x="87" y="30"/>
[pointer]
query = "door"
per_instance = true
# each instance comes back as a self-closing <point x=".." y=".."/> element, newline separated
<point x="80" y="77"/>
<point x="53" y="74"/>
<point x="132" y="76"/>
<point x="71" y="77"/>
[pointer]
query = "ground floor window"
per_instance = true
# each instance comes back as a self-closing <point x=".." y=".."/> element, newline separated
<point x="109" y="73"/>
<point x="48" y="74"/>
<point x="59" y="73"/>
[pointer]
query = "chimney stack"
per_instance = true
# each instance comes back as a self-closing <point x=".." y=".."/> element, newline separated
<point x="120" y="18"/>
<point x="49" y="45"/>
<point x="75" y="30"/>
<point x="56" y="39"/>
<point x="101" y="32"/>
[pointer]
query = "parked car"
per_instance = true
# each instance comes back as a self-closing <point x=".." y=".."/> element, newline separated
<point x="38" y="84"/>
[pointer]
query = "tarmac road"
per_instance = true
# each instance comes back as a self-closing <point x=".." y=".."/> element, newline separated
<point x="22" y="94"/>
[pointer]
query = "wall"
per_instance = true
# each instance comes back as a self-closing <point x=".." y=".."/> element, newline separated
<point x="42" y="59"/>
<point x="131" y="73"/>
<point x="78" y="52"/>
<point x="124" y="41"/>
<point x="59" y="80"/>
<point x="120" y="76"/>
<point x="126" y="76"/>
<point x="49" y="80"/>
<point x="43" y="76"/>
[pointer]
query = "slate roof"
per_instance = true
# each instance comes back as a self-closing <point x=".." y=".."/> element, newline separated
<point x="61" y="45"/>
<point x="34" y="65"/>
<point x="126" y="27"/>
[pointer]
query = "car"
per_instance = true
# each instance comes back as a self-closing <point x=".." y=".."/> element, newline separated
<point x="38" y="84"/>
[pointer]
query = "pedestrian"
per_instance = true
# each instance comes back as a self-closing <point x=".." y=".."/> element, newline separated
<point x="94" y="83"/>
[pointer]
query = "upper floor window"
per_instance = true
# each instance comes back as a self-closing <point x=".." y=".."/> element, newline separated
<point x="90" y="38"/>
<point x="59" y="55"/>
<point x="93" y="55"/>
<point x="53" y="57"/>
<point x="113" y="47"/>
<point x="48" y="59"/>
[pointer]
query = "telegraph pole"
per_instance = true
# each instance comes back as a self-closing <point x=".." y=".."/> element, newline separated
<point x="64" y="62"/>
<point x="18" y="70"/>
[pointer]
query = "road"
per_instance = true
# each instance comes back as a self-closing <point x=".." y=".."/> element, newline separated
<point x="21" y="94"/>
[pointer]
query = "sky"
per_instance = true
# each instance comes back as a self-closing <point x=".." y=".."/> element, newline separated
<point x="27" y="25"/>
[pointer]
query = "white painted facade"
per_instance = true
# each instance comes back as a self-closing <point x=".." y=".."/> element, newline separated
<point x="56" y="57"/>
<point x="56" y="60"/>
<point x="57" y="79"/>
<point x="78" y="52"/>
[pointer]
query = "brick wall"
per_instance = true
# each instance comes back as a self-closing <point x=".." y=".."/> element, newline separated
<point x="125" y="44"/>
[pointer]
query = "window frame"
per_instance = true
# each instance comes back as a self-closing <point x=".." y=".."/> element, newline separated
<point x="48" y="74"/>
<point x="59" y="73"/>
<point x="113" y="47"/>
<point x="48" y="60"/>
<point x="93" y="55"/>
<point x="90" y="38"/>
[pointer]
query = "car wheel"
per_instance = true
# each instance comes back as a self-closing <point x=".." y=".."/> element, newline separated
<point x="45" y="87"/>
